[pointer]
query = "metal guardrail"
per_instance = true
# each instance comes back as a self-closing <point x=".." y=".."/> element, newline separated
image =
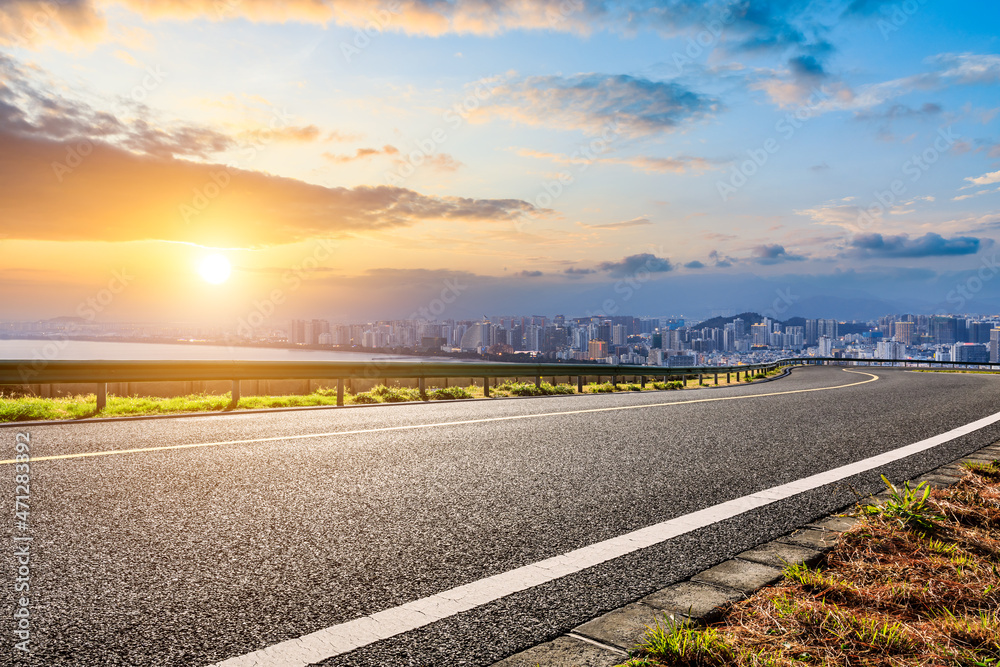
<point x="25" y="372"/>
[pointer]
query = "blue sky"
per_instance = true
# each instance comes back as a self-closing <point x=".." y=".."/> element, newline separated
<point x="840" y="156"/>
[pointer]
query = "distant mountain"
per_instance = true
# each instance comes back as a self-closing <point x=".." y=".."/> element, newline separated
<point x="720" y="322"/>
<point x="841" y="308"/>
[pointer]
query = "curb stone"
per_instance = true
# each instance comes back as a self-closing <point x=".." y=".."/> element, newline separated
<point x="606" y="640"/>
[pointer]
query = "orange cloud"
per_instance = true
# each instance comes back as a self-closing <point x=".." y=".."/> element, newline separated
<point x="87" y="190"/>
<point x="439" y="161"/>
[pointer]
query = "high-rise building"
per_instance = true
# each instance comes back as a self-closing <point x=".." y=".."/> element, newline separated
<point x="995" y="345"/>
<point x="945" y="330"/>
<point x="618" y="334"/>
<point x="826" y="328"/>
<point x="825" y="346"/>
<point x="759" y="333"/>
<point x="904" y="332"/>
<point x="740" y="327"/>
<point x="297" y="332"/>
<point x="812" y="337"/>
<point x="971" y="352"/>
<point x="888" y="349"/>
<point x="597" y="349"/>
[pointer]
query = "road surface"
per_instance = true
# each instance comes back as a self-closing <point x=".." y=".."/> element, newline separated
<point x="216" y="537"/>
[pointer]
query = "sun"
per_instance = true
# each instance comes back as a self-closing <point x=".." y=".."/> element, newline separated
<point x="215" y="269"/>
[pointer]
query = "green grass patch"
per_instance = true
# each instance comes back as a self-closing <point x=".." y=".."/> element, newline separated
<point x="449" y="394"/>
<point x="511" y="388"/>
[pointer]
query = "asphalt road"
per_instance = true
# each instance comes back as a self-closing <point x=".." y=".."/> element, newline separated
<point x="193" y="555"/>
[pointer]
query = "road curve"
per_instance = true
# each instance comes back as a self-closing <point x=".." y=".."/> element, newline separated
<point x="197" y="540"/>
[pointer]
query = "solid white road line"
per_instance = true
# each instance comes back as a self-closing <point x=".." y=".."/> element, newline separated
<point x="344" y="637"/>
<point x="112" y="452"/>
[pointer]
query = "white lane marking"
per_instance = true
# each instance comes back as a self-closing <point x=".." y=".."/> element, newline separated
<point x="383" y="429"/>
<point x="344" y="637"/>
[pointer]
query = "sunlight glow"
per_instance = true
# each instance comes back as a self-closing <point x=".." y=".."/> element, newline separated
<point x="215" y="269"/>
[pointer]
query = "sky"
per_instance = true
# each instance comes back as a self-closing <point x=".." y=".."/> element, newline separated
<point x="357" y="160"/>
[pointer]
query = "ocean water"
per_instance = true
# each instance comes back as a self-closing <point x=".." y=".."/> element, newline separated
<point x="80" y="350"/>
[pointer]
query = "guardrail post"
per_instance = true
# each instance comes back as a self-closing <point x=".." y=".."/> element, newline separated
<point x="486" y="387"/>
<point x="614" y="382"/>
<point x="716" y="379"/>
<point x="700" y="377"/>
<point x="102" y="396"/>
<point x="422" y="388"/>
<point x="642" y="381"/>
<point x="728" y="373"/>
<point x="737" y="376"/>
<point x="579" y="384"/>
<point x="340" y="391"/>
<point x="538" y="381"/>
<point x="236" y="393"/>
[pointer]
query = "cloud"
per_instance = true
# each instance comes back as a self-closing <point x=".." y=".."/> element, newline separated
<point x="946" y="69"/>
<point x="30" y="22"/>
<point x="750" y="26"/>
<point x="772" y="253"/>
<point x="985" y="179"/>
<point x="115" y="195"/>
<point x="694" y="265"/>
<point x="721" y="261"/>
<point x="978" y="193"/>
<point x="575" y="272"/>
<point x="296" y="133"/>
<point x="635" y="264"/>
<point x="361" y="154"/>
<point x="531" y="274"/>
<point x="28" y="110"/>
<point x="597" y="104"/>
<point x="848" y="216"/>
<point x="650" y="165"/>
<point x="634" y="222"/>
<point x="800" y="83"/>
<point x="928" y="245"/>
<point x="439" y="161"/>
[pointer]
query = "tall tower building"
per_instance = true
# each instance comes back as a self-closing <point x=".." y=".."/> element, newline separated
<point x="904" y="332"/>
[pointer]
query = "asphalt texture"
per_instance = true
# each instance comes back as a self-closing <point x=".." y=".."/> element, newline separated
<point x="191" y="556"/>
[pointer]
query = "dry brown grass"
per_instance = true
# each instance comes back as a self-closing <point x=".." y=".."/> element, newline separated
<point x="890" y="593"/>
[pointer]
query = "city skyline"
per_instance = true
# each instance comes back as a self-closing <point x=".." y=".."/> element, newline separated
<point x="653" y="341"/>
<point x="207" y="160"/>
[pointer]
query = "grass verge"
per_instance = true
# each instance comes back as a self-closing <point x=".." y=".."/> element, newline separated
<point x="916" y="582"/>
<point x="17" y="408"/>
